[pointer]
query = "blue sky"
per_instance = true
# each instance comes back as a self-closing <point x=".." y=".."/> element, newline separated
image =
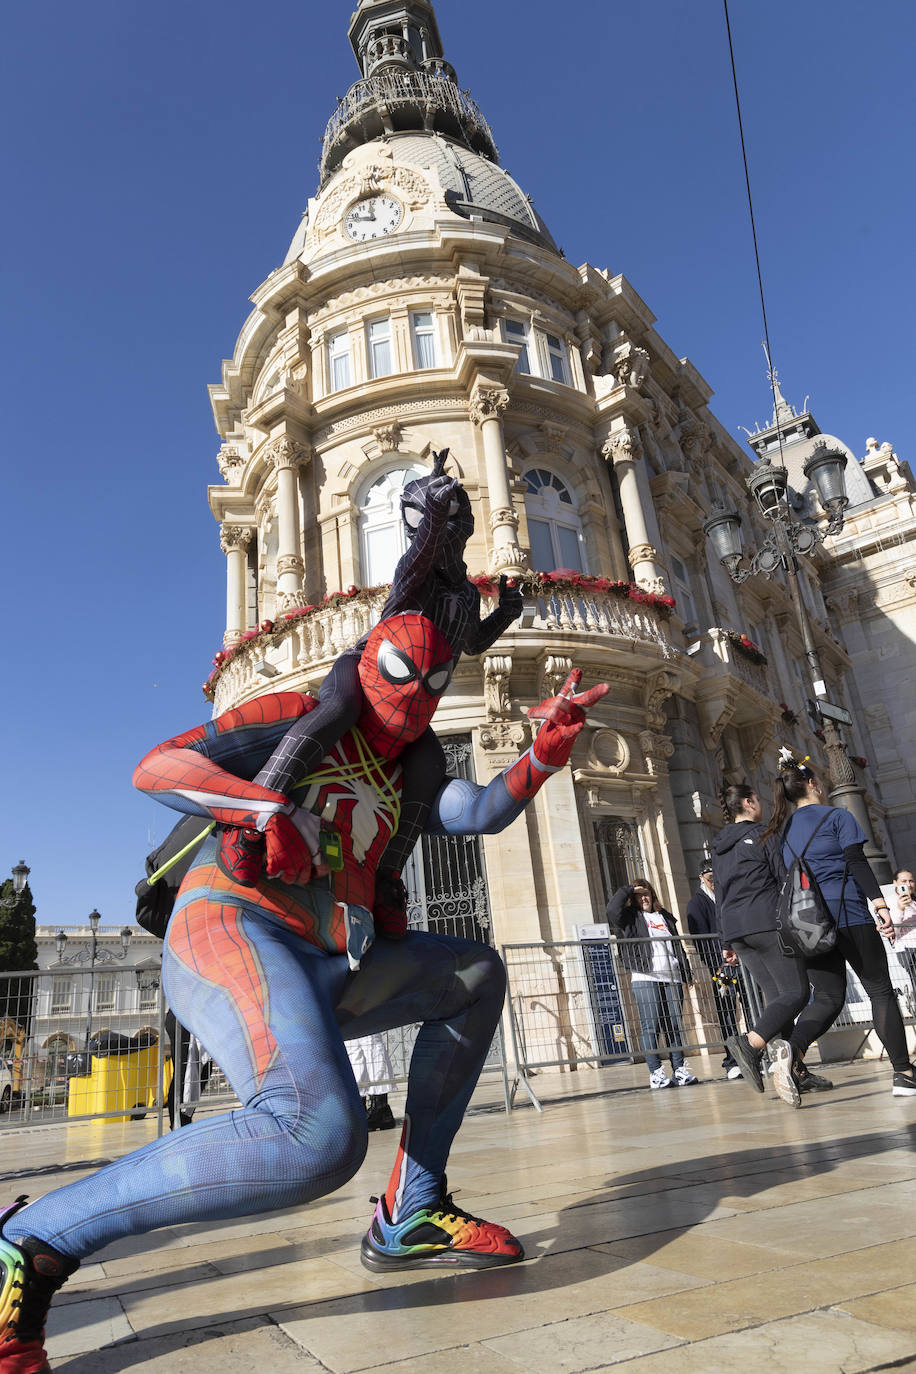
<point x="159" y="160"/>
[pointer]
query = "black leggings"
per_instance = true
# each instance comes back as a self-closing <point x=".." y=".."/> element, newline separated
<point x="783" y="982"/>
<point x="860" y="947"/>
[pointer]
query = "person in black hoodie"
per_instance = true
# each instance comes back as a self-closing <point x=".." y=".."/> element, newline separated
<point x="659" y="971"/>
<point x="748" y="875"/>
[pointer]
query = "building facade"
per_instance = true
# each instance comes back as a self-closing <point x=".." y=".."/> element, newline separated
<point x="422" y="305"/>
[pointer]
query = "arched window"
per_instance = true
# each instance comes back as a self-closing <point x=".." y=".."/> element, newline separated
<point x="554" y="527"/>
<point x="381" y="536"/>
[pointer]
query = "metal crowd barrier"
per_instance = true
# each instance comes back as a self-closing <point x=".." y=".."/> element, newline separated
<point x="91" y="1044"/>
<point x="571" y="1004"/>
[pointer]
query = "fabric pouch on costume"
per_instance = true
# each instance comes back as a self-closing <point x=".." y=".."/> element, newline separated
<point x="360" y="931"/>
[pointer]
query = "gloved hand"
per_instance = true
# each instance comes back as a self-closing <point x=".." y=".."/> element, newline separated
<point x="389" y="910"/>
<point x="564" y="717"/>
<point x="288" y="854"/>
<point x="241" y="854"/>
<point x="510" y="600"/>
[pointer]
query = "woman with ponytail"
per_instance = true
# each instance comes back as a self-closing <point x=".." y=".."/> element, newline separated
<point x="836" y="857"/>
<point x="747" y="876"/>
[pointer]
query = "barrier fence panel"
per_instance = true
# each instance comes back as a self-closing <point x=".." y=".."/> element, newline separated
<point x="573" y="1002"/>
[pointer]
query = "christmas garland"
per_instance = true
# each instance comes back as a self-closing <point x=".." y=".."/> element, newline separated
<point x="531" y="584"/>
<point x="747" y="648"/>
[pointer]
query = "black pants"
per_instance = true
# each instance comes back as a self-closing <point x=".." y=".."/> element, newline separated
<point x="862" y="948"/>
<point x="783" y="982"/>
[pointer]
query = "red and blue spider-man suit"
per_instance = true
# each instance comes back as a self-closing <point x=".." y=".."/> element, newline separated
<point x="265" y="978"/>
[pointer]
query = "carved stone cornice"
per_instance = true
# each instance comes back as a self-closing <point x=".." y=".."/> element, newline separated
<point x="235" y="537"/>
<point x="497" y="671"/>
<point x="285" y="452"/>
<point x="622" y="447"/>
<point x="488" y="403"/>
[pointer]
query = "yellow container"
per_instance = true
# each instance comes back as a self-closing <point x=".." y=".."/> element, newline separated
<point x="118" y="1082"/>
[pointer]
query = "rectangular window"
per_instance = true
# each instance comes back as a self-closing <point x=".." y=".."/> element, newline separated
<point x="570" y="548"/>
<point x="61" y="996"/>
<point x="559" y="359"/>
<point x="517" y="333"/>
<point x="541" y="546"/>
<point x="683" y="595"/>
<point x="103" y="996"/>
<point x="339" y="359"/>
<point x="423" y="329"/>
<point x="149" y="996"/>
<point x="378" y="333"/>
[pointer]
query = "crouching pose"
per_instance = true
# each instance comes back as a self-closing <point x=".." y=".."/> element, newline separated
<point x="273" y="978"/>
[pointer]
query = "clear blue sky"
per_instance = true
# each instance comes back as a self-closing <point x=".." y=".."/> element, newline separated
<point x="158" y="159"/>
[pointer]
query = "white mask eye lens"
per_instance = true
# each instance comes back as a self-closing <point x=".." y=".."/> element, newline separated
<point x="412" y="516"/>
<point x="439" y="680"/>
<point x="392" y="665"/>
<point x="453" y="509"/>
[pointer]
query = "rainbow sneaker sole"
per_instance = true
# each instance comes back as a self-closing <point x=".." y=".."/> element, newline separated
<point x="436" y="1238"/>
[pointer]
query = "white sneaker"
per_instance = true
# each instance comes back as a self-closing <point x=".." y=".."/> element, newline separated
<point x="683" y="1077"/>
<point x="734" y="1072"/>
<point x="659" y="1079"/>
<point x="783" y="1077"/>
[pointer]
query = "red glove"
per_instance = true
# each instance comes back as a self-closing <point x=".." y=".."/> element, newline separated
<point x="241" y="855"/>
<point x="389" y="910"/>
<point x="563" y="718"/>
<point x="288" y="854"/>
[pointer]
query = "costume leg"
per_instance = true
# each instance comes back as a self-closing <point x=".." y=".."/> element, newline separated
<point x="456" y="989"/>
<point x="424" y="767"/>
<point x="262" y="999"/>
<point x="648" y="1007"/>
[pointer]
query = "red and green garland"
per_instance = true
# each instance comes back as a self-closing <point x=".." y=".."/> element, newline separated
<point x="747" y="648"/>
<point x="532" y="584"/>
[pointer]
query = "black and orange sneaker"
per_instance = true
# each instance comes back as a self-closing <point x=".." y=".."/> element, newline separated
<point x="436" y="1237"/>
<point x="30" y="1275"/>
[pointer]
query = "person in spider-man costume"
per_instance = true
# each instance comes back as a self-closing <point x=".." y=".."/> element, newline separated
<point x="430" y="580"/>
<point x="273" y="979"/>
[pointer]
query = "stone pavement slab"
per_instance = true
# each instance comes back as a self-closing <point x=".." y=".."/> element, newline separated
<point x="684" y="1231"/>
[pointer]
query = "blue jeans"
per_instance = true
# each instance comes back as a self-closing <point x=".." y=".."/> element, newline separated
<point x="659" y="1008"/>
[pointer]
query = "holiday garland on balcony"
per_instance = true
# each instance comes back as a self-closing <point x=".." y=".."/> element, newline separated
<point x="532" y="584"/>
<point x="747" y="648"/>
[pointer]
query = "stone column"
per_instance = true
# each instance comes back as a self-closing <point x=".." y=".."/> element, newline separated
<point x="622" y="449"/>
<point x="287" y="456"/>
<point x="234" y="541"/>
<point x="488" y="405"/>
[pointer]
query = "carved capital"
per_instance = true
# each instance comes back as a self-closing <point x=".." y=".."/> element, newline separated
<point x="290" y="563"/>
<point x="504" y="740"/>
<point x="230" y="462"/>
<point x="285" y="452"/>
<point x="497" y="670"/>
<point x="622" y="447"/>
<point x="488" y="403"/>
<point x="235" y="537"/>
<point x="655" y="745"/>
<point x="507" y="558"/>
<point x="642" y="553"/>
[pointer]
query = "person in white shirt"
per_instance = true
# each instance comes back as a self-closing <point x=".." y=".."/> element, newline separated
<point x="901" y="900"/>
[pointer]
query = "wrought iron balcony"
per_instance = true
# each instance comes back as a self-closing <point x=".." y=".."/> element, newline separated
<point x="396" y="99"/>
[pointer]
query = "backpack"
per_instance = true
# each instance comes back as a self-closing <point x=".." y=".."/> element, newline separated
<point x="165" y="870"/>
<point x="804" y="922"/>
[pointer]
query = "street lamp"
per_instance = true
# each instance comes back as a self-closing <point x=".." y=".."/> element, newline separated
<point x="20" y="873"/>
<point x="92" y="956"/>
<point x="768" y="486"/>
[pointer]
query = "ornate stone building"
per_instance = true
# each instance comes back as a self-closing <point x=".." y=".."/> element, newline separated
<point x="423" y="304"/>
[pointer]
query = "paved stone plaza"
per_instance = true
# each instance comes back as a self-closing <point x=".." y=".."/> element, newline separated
<point x="699" y="1229"/>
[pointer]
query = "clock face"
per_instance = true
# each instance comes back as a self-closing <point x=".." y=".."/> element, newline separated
<point x="372" y="218"/>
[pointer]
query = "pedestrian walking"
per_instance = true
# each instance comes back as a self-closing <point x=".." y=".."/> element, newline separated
<point x="703" y="921"/>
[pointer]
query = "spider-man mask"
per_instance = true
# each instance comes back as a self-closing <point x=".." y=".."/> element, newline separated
<point x="406" y="666"/>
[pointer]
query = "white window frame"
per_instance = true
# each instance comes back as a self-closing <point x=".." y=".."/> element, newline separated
<point x="522" y="327"/>
<point x="380" y="336"/>
<point x="377" y="518"/>
<point x="339" y="352"/>
<point x="557" y="359"/>
<point x="684" y="593"/>
<point x="61" y="995"/>
<point x="102" y="983"/>
<point x="417" y="333"/>
<point x="544" y="504"/>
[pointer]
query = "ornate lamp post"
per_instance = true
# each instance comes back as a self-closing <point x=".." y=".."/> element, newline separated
<point x="768" y="485"/>
<point x="93" y="955"/>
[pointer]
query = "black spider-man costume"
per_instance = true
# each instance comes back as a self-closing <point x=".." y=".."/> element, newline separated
<point x="430" y="580"/>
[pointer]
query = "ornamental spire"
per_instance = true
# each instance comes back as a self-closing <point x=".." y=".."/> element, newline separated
<point x="406" y="85"/>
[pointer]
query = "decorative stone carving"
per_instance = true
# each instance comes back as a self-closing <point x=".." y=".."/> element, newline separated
<point x="718" y="726"/>
<point x="655" y="745"/>
<point x="503" y="740"/>
<point x="554" y="434"/>
<point x="503" y="515"/>
<point x="497" y="671"/>
<point x="693" y="436"/>
<point x="230" y="462"/>
<point x="290" y="563"/>
<point x="629" y="365"/>
<point x="488" y="403"/>
<point x="372" y="179"/>
<point x="554" y="672"/>
<point x="285" y="452"/>
<point x="642" y="553"/>
<point x="388" y="437"/>
<point x="622" y="447"/>
<point x="609" y="750"/>
<point x="232" y="537"/>
<point x="506" y="558"/>
<point x="659" y="688"/>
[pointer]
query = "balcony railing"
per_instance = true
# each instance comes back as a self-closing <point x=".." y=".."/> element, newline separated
<point x="302" y="649"/>
<point x="396" y="99"/>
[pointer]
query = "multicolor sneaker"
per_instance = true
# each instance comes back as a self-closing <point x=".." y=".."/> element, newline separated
<point x="30" y="1275"/>
<point x="684" y="1077"/>
<point x="783" y="1077"/>
<point x="659" y="1079"/>
<point x="436" y="1237"/>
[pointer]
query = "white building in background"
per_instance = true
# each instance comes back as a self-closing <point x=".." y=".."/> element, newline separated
<point x="423" y="304"/>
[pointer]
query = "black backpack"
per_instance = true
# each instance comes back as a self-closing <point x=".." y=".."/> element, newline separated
<point x="155" y="900"/>
<point x="804" y="922"/>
